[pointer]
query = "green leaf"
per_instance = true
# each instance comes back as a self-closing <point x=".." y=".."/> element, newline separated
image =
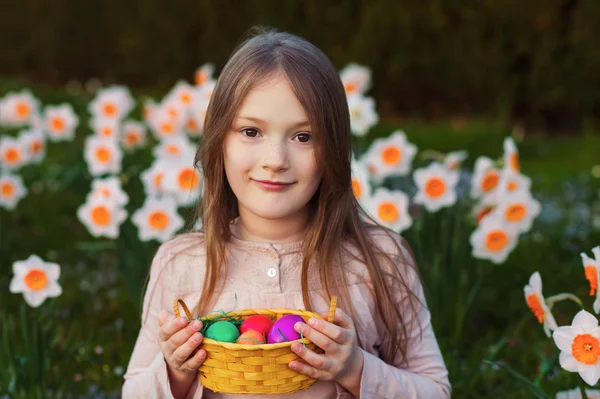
<point x="527" y="383"/>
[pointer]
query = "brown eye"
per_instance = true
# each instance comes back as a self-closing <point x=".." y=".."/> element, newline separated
<point x="304" y="137"/>
<point x="251" y="132"/>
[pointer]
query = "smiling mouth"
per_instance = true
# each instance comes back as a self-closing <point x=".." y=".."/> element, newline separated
<point x="272" y="186"/>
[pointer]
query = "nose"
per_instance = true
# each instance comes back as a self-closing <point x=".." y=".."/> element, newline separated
<point x="275" y="157"/>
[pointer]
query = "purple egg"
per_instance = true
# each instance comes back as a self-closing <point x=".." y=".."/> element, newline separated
<point x="286" y="326"/>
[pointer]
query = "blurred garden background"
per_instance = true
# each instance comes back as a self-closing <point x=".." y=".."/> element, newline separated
<point x="452" y="75"/>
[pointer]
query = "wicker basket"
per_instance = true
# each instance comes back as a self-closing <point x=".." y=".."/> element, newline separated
<point x="254" y="369"/>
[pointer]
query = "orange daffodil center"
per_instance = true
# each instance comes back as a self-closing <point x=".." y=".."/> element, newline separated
<point x="586" y="349"/>
<point x="535" y="304"/>
<point x="36" y="279"/>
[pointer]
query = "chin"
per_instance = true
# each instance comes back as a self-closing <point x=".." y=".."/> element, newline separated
<point x="273" y="214"/>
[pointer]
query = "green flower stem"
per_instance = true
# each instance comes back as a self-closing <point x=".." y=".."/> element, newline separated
<point x="561" y="297"/>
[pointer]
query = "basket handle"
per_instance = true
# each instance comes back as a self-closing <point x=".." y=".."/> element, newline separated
<point x="332" y="307"/>
<point x="184" y="306"/>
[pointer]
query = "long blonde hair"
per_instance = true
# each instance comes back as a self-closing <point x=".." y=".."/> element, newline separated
<point x="334" y="213"/>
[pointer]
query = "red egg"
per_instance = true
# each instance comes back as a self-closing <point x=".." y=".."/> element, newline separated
<point x="259" y="323"/>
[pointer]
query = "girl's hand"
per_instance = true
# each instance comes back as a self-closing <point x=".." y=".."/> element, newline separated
<point x="342" y="361"/>
<point x="178" y="338"/>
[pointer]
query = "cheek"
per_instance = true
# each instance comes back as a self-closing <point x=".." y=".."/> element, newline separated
<point x="237" y="160"/>
<point x="308" y="168"/>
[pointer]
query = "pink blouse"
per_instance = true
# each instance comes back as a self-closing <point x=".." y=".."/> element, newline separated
<point x="263" y="275"/>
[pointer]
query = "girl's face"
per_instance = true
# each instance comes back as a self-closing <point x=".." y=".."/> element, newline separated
<point x="271" y="140"/>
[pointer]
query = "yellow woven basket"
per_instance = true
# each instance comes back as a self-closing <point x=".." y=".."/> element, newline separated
<point x="254" y="369"/>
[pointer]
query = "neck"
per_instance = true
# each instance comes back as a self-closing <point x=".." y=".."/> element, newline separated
<point x="251" y="227"/>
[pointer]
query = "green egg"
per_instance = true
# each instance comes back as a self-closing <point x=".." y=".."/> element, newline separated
<point x="223" y="331"/>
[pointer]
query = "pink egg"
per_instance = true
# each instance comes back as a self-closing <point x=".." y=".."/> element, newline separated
<point x="284" y="326"/>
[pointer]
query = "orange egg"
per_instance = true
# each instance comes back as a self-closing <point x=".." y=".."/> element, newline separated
<point x="251" y="337"/>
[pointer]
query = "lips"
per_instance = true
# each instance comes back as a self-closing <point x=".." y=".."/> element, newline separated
<point x="273" y="182"/>
<point x="272" y="186"/>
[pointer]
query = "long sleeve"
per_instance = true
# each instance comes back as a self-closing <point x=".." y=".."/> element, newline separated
<point x="146" y="375"/>
<point x="425" y="374"/>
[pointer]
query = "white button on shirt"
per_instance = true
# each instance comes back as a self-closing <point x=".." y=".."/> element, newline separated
<point x="272" y="272"/>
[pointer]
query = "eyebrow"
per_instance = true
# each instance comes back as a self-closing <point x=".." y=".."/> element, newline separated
<point x="257" y="120"/>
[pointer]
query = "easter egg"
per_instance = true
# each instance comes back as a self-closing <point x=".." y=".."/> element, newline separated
<point x="259" y="323"/>
<point x="251" y="337"/>
<point x="223" y="331"/>
<point x="283" y="329"/>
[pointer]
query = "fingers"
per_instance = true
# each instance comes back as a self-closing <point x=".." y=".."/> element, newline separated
<point x="195" y="361"/>
<point x="314" y="361"/>
<point x="340" y="318"/>
<point x="182" y="353"/>
<point x="181" y="336"/>
<point x="318" y="338"/>
<point x="171" y="327"/>
<point x="338" y="334"/>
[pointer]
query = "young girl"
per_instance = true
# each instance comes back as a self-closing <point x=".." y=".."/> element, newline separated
<point x="282" y="229"/>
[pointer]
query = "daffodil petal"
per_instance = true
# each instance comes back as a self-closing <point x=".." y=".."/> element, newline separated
<point x="17" y="285"/>
<point x="568" y="362"/>
<point x="590" y="374"/>
<point x="35" y="299"/>
<point x="584" y="318"/>
<point x="563" y="337"/>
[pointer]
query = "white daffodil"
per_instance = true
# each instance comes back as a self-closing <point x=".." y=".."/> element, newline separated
<point x="102" y="155"/>
<point x="149" y="109"/>
<point x="590" y="267"/>
<point x="157" y="219"/>
<point x="579" y="346"/>
<point x="204" y="93"/>
<point x="511" y="181"/>
<point x="182" y="92"/>
<point x="183" y="182"/>
<point x="204" y="73"/>
<point x="360" y="181"/>
<point x="363" y="115"/>
<point x="356" y="79"/>
<point x="392" y="155"/>
<point x="102" y="217"/>
<point x="12" y="190"/>
<point x="493" y="240"/>
<point x="60" y="122"/>
<point x="390" y="208"/>
<point x="436" y="186"/>
<point x="152" y="178"/>
<point x="511" y="155"/>
<point x="133" y="135"/>
<point x="194" y="124"/>
<point x="13" y="154"/>
<point x="576" y="394"/>
<point x="18" y="108"/>
<point x="485" y="177"/>
<point x="536" y="302"/>
<point x="34" y="142"/>
<point x="518" y="209"/>
<point x="113" y="102"/>
<point x="175" y="148"/>
<point x="109" y="188"/>
<point x="452" y="160"/>
<point x="36" y="279"/>
<point x="167" y="122"/>
<point x="105" y="127"/>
